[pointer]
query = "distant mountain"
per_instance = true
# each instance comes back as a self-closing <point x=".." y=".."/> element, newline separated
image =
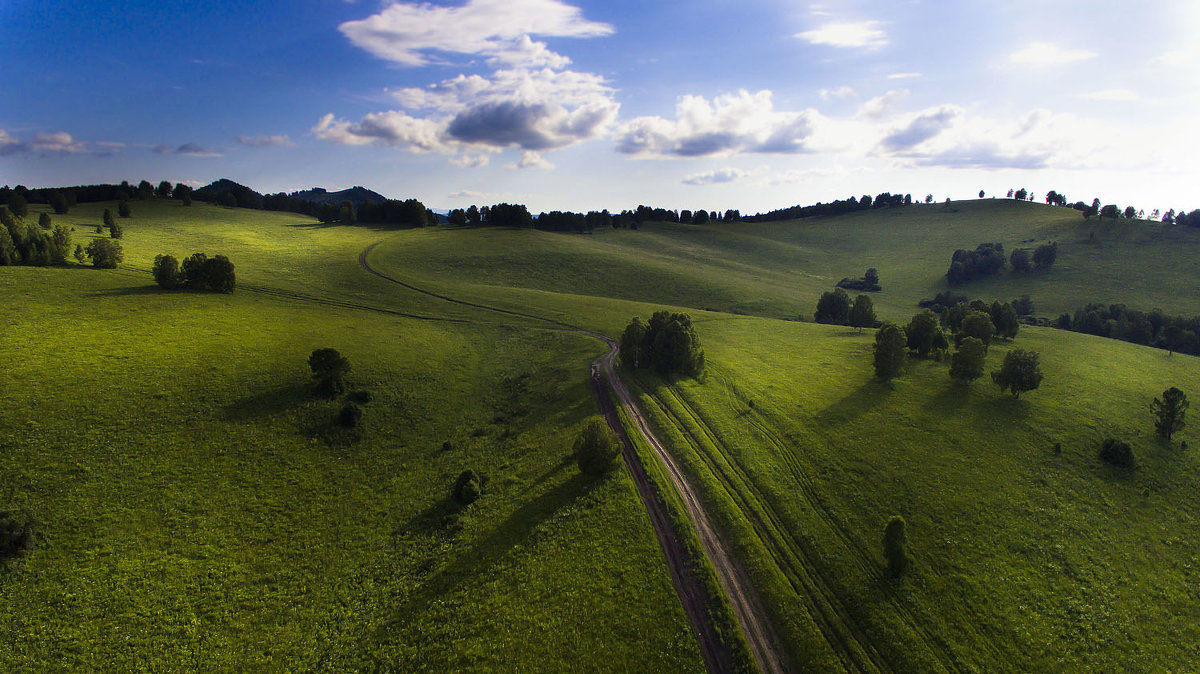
<point x="355" y="195"/>
<point x="243" y="196"/>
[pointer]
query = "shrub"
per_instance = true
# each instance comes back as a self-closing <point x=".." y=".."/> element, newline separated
<point x="124" y="210"/>
<point x="350" y="415"/>
<point x="44" y="220"/>
<point x="16" y="534"/>
<point x="596" y="447"/>
<point x="104" y="253"/>
<point x="166" y="271"/>
<point x="894" y="540"/>
<point x="1117" y="453"/>
<point x="468" y="487"/>
<point x="329" y="368"/>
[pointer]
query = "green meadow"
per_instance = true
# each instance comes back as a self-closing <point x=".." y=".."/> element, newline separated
<point x="196" y="510"/>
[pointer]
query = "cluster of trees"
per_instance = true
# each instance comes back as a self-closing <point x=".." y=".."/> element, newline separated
<point x="668" y="344"/>
<point x="62" y="199"/>
<point x="197" y="272"/>
<point x="988" y="259"/>
<point x="839" y="207"/>
<point x="1153" y="328"/>
<point x="37" y="246"/>
<point x="868" y="283"/>
<point x="835" y="308"/>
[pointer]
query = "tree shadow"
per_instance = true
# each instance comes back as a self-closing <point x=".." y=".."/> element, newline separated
<point x="269" y="402"/>
<point x="864" y="398"/>
<point x="132" y="291"/>
<point x="954" y="397"/>
<point x="467" y="564"/>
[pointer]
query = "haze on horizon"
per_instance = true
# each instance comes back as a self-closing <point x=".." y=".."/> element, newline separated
<point x="589" y="105"/>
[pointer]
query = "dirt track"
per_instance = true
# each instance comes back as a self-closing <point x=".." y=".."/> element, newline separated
<point x="752" y="617"/>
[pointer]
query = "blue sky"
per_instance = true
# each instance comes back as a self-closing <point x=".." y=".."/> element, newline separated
<point x="584" y="105"/>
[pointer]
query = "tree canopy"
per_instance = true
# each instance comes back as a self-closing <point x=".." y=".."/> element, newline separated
<point x="1019" y="373"/>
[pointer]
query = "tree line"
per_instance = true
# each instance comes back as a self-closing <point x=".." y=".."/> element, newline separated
<point x="839" y="207"/>
<point x="1148" y="328"/>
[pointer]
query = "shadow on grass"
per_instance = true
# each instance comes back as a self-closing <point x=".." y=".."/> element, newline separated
<point x="270" y="401"/>
<point x="864" y="398"/>
<point x="954" y="397"/>
<point x="132" y="291"/>
<point x="465" y="565"/>
<point x="374" y="227"/>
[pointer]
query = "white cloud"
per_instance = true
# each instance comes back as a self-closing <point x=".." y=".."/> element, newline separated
<point x="1115" y="95"/>
<point x="725" y="175"/>
<point x="833" y="94"/>
<point x="903" y="76"/>
<point x="879" y="106"/>
<point x="730" y="124"/>
<point x="265" y="141"/>
<point x="1040" y="54"/>
<point x="1187" y="56"/>
<point x="53" y="143"/>
<point x="532" y="160"/>
<point x="847" y="35"/>
<point x="405" y="32"/>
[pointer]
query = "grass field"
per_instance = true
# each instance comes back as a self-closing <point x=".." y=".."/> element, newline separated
<point x="195" y="512"/>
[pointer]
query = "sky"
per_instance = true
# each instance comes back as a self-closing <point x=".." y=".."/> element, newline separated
<point x="583" y="105"/>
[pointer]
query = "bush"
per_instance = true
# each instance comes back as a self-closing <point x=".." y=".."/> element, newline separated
<point x="350" y="415"/>
<point x="44" y="220"/>
<point x="596" y="447"/>
<point x="166" y="271"/>
<point x="468" y="487"/>
<point x="104" y="253"/>
<point x="16" y="534"/>
<point x="1117" y="453"/>
<point x="329" y="368"/>
<point x="894" y="540"/>
<point x="124" y="210"/>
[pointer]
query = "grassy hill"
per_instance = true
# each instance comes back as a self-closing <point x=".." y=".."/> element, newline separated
<point x="195" y="509"/>
<point x="190" y="496"/>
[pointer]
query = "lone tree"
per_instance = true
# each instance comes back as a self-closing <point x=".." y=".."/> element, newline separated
<point x="467" y="487"/>
<point x="890" y="351"/>
<point x="329" y="368"/>
<point x="1170" y="410"/>
<point x="862" y="314"/>
<point x="894" y="540"/>
<point x="833" y="307"/>
<point x="596" y="447"/>
<point x="1019" y="373"/>
<point x="967" y="363"/>
<point x="104" y="253"/>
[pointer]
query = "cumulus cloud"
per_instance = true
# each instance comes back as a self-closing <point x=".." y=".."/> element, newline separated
<point x="1043" y="54"/>
<point x="45" y="144"/>
<point x="857" y="34"/>
<point x="264" y="141"/>
<point x="879" y="106"/>
<point x="836" y="93"/>
<point x="725" y="175"/>
<point x="920" y="128"/>
<point x="404" y="32"/>
<point x="729" y="124"/>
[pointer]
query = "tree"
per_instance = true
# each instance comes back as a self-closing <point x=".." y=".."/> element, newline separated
<point x="596" y="447"/>
<point x="894" y="540"/>
<point x="193" y="272"/>
<point x="1170" y="410"/>
<point x="978" y="325"/>
<point x="1019" y="373"/>
<point x="1004" y="318"/>
<point x="60" y="244"/>
<point x="967" y="363"/>
<point x="1020" y="260"/>
<point x="166" y="271"/>
<point x="105" y="253"/>
<point x="633" y="341"/>
<point x="1022" y="194"/>
<point x="18" y="205"/>
<point x="890" y="351"/>
<point x="980" y="194"/>
<point x="862" y="314"/>
<point x="164" y="189"/>
<point x="145" y="190"/>
<point x="44" y="220"/>
<point x="674" y="345"/>
<point x="219" y="274"/>
<point x="329" y="368"/>
<point x="929" y="198"/>
<point x="1110" y="211"/>
<point x="473" y="217"/>
<point x="1045" y="255"/>
<point x="109" y="219"/>
<point x="1130" y="213"/>
<point x="58" y="202"/>
<point x="1117" y="453"/>
<point x="921" y="332"/>
<point x="116" y="231"/>
<point x="124" y="210"/>
<point x="833" y="307"/>
<point x="79" y="255"/>
<point x="467" y="487"/>
<point x="872" y="276"/>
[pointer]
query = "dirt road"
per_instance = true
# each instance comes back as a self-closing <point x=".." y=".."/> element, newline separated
<point x="748" y="608"/>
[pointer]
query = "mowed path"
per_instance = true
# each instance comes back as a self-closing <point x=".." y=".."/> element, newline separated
<point x="752" y="617"/>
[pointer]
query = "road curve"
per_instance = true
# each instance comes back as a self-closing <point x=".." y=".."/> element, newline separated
<point x="748" y="608"/>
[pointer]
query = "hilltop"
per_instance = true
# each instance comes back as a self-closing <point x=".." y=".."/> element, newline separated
<point x="355" y="195"/>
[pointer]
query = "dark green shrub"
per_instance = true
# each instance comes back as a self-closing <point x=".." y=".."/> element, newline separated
<point x="124" y="210"/>
<point x="894" y="540"/>
<point x="1117" y="453"/>
<point x="468" y="487"/>
<point x="350" y="415"/>
<point x="16" y="534"/>
<point x="596" y="447"/>
<point x="104" y="253"/>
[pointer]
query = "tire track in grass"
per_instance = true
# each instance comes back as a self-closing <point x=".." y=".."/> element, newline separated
<point x="936" y="645"/>
<point x="793" y="559"/>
